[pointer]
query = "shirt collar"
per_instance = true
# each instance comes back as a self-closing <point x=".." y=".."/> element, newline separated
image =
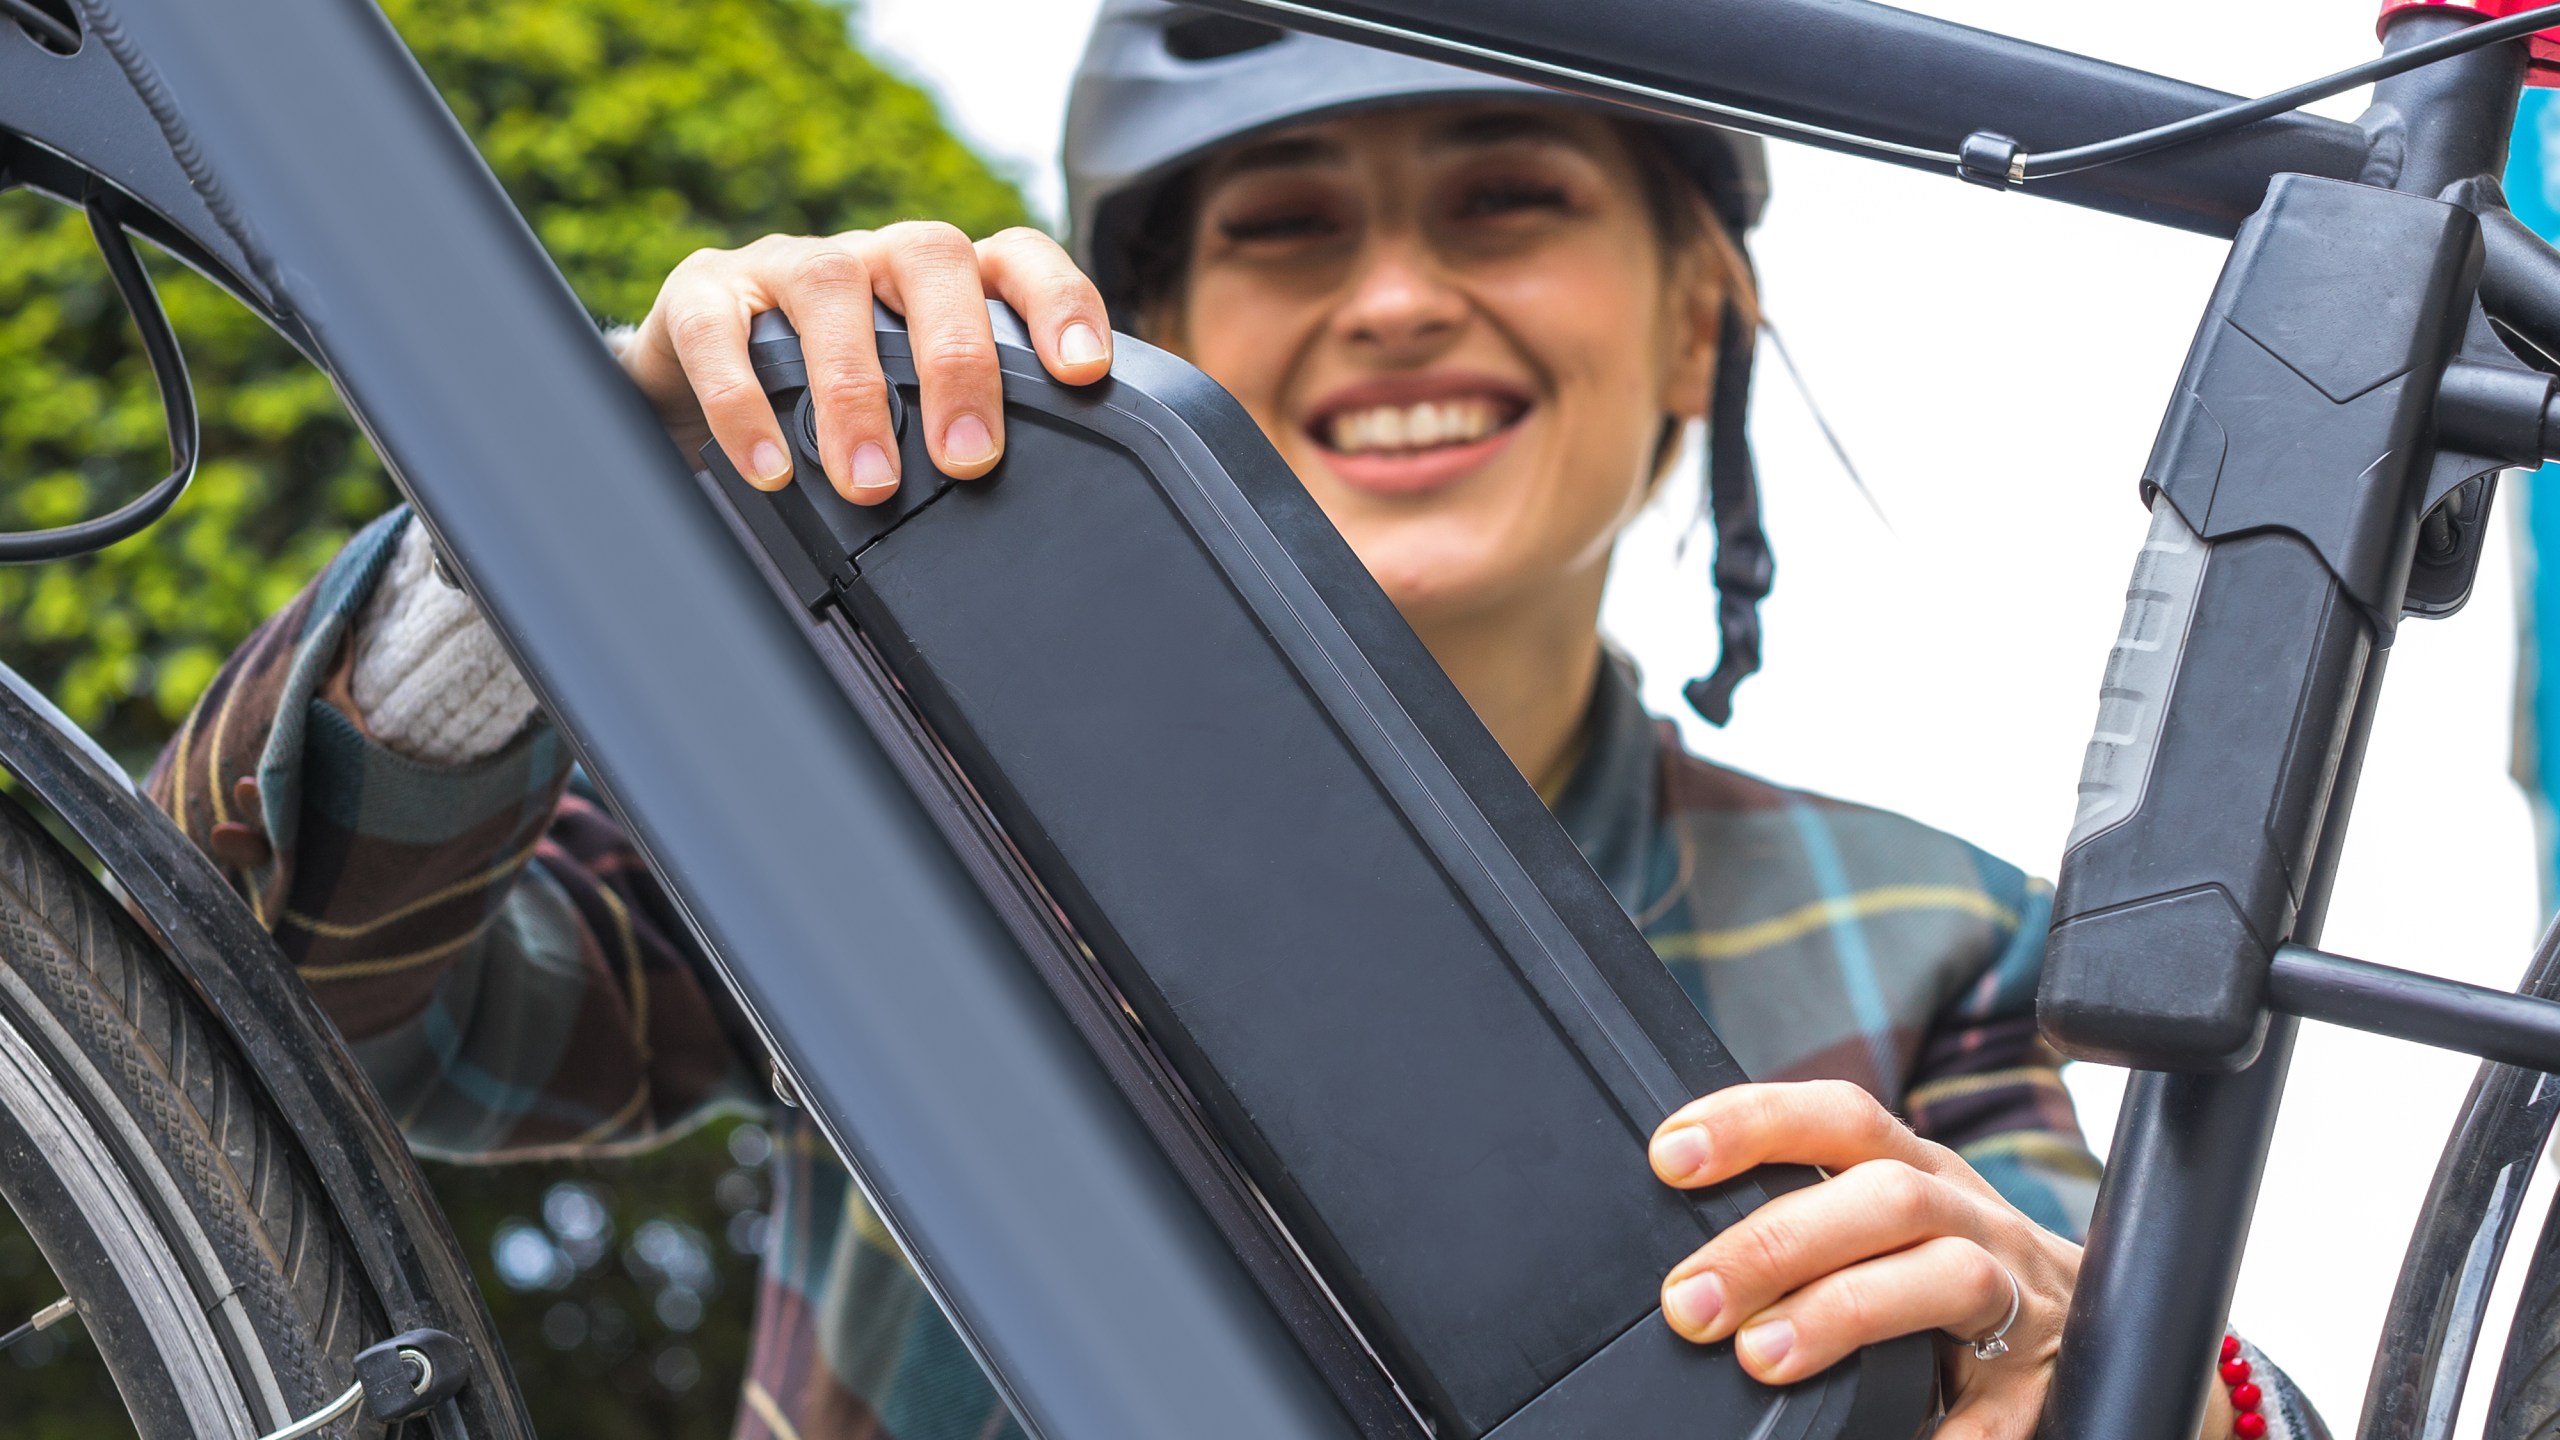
<point x="1610" y="805"/>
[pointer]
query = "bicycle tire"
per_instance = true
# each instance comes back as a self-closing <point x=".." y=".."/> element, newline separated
<point x="2525" y="1402"/>
<point x="153" y="1174"/>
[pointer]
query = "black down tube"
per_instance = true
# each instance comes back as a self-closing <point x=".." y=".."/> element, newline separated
<point x="2286" y="487"/>
<point x="1863" y="69"/>
<point x="1054" y="1230"/>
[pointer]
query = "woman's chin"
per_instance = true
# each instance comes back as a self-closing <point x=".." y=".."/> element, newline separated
<point x="1427" y="585"/>
<point x="1441" y="551"/>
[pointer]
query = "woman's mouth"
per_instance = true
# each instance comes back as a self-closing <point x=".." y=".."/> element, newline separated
<point x="1407" y="429"/>
<point x="1403" y="445"/>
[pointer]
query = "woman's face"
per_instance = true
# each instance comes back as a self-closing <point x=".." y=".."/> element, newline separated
<point x="1458" y="325"/>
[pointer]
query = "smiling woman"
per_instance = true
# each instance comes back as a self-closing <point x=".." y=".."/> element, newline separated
<point x="1474" y="333"/>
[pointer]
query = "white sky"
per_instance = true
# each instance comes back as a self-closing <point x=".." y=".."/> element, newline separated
<point x="1997" y="365"/>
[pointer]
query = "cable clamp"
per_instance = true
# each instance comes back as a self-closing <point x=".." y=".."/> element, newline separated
<point x="1993" y="160"/>
<point x="409" y="1374"/>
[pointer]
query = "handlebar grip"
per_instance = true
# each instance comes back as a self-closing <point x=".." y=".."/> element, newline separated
<point x="2222" y="726"/>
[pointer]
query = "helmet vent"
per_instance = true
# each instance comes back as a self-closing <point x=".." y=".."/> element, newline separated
<point x="1215" y="37"/>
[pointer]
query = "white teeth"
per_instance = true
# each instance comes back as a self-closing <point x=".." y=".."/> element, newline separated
<point x="1425" y="426"/>
<point x="1422" y="426"/>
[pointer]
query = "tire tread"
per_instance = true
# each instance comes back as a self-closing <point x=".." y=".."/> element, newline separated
<point x="259" y="1207"/>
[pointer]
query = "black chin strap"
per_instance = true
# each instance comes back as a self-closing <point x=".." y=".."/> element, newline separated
<point x="1744" y="568"/>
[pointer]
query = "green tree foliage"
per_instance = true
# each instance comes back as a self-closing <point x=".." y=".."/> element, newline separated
<point x="630" y="132"/>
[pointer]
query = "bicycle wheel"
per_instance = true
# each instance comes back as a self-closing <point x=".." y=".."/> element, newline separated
<point x="152" y="1175"/>
<point x="2525" y="1403"/>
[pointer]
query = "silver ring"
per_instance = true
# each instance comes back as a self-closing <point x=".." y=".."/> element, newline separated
<point x="1992" y="1346"/>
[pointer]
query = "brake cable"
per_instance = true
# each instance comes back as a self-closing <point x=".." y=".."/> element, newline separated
<point x="1641" y="96"/>
<point x="2046" y="165"/>
<point x="1988" y="158"/>
<point x="320" y="1419"/>
<point x="177" y="401"/>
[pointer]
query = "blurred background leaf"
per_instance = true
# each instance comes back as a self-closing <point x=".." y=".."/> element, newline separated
<point x="631" y="133"/>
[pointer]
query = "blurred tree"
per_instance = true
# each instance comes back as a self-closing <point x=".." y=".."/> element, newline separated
<point x="622" y="1287"/>
<point x="630" y="132"/>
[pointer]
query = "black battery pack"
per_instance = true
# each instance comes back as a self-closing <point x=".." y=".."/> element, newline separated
<point x="1399" y="1037"/>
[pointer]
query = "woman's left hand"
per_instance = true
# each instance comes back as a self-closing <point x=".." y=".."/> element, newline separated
<point x="1903" y="1238"/>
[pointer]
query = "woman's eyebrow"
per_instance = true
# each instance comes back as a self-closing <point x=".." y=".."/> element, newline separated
<point x="1472" y="132"/>
<point x="1285" y="152"/>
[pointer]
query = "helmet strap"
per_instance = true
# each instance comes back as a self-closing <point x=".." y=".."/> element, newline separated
<point x="1743" y="565"/>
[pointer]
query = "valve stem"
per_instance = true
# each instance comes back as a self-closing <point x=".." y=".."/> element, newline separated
<point x="44" y="1319"/>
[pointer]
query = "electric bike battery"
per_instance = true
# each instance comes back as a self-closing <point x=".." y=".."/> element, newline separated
<point x="1397" y="1034"/>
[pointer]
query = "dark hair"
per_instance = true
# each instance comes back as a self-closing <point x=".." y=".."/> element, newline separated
<point x="1160" y="245"/>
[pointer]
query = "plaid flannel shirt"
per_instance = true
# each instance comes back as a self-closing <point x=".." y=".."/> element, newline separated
<point x="516" y="983"/>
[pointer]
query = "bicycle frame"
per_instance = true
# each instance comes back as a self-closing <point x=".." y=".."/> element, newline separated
<point x="291" y="150"/>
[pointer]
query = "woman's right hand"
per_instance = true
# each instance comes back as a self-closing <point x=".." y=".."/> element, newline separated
<point x="690" y="356"/>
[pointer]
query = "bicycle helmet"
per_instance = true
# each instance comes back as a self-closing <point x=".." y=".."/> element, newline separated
<point x="1162" y="85"/>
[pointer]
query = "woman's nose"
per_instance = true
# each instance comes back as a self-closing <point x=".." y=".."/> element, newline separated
<point x="1401" y="300"/>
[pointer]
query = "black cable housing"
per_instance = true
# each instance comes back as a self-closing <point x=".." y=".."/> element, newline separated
<point x="177" y="400"/>
<point x="2032" y="167"/>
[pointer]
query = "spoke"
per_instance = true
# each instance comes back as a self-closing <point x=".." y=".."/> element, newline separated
<point x="44" y="1319"/>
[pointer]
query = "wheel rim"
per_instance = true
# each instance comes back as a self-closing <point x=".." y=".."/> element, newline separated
<point x="129" y="1233"/>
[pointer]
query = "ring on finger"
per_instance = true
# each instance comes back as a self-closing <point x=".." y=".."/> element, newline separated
<point x="1994" y="1345"/>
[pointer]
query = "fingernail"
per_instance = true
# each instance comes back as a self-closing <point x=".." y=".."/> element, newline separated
<point x="1681" y="1153"/>
<point x="1766" y="1344"/>
<point x="871" y="469"/>
<point x="1693" y="1304"/>
<point x="1081" y="345"/>
<point x="967" y="442"/>
<point x="770" y="463"/>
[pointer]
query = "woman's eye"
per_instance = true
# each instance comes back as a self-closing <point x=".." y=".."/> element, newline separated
<point x="1509" y="199"/>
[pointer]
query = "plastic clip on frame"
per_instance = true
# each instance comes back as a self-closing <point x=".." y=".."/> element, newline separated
<point x="1404" y="1006"/>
